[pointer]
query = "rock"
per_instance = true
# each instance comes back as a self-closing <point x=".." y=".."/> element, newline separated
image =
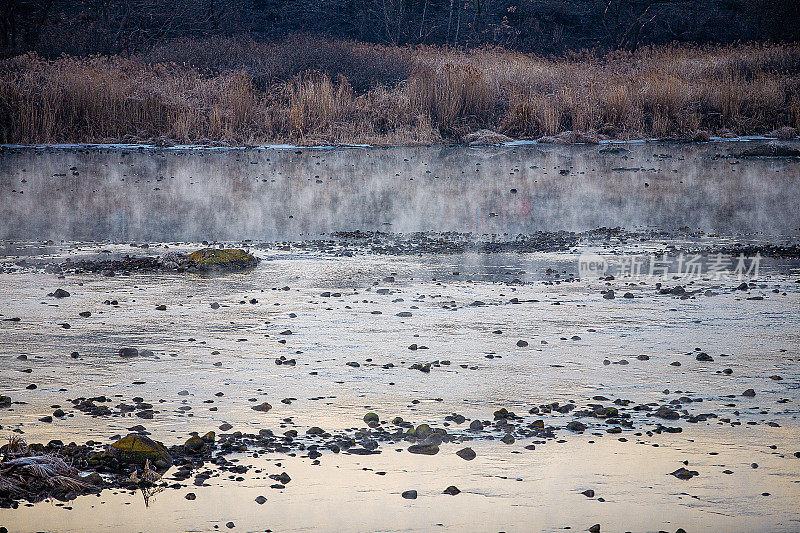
<point x="210" y="259"/>
<point x="146" y="353"/>
<point x="704" y="357"/>
<point x="666" y="413"/>
<point x="191" y="496"/>
<point x="59" y="293"/>
<point x="786" y="133"/>
<point x="214" y="305"/>
<point x="589" y="493"/>
<point x="424" y="449"/>
<point x="468" y="454"/>
<point x="576" y="426"/>
<point x="749" y="393"/>
<point x="260" y="500"/>
<point x="137" y="449"/>
<point x="283" y="478"/>
<point x="595" y="529"/>
<point x="230" y="525"/>
<point x="5" y="401"/>
<point x="128" y="352"/>
<point x="409" y="494"/>
<point x="770" y="150"/>
<point x="570" y="137"/>
<point x="476" y="425"/>
<point x="508" y="438"/>
<point x="521" y="343"/>
<point x="315" y="431"/>
<point x="262" y="407"/>
<point x="452" y="490"/>
<point x="161" y="307"/>
<point x="486" y="137"/>
<point x="193" y="444"/>
<point x="683" y="473"/>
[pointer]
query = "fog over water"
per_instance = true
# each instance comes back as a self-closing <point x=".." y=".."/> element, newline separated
<point x="168" y="195"/>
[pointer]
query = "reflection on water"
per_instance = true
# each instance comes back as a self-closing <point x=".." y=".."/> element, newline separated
<point x="122" y="195"/>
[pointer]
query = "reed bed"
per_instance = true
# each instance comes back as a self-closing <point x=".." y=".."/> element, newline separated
<point x="312" y="91"/>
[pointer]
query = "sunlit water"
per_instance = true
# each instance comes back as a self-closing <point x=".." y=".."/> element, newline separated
<point x="252" y="195"/>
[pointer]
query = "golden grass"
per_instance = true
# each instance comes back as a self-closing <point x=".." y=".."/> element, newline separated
<point x="438" y="94"/>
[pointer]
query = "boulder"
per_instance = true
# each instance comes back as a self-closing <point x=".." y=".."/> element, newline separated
<point x="137" y="449"/>
<point x="424" y="449"/>
<point x="570" y="137"/>
<point x="486" y="137"/>
<point x="209" y="259"/>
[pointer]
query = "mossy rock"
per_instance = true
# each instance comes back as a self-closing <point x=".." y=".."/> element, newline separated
<point x="371" y="418"/>
<point x="193" y="444"/>
<point x="137" y="449"/>
<point x="424" y="449"/>
<point x="606" y="412"/>
<point x="422" y="431"/>
<point x="223" y="259"/>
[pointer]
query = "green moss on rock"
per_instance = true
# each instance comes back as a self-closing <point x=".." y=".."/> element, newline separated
<point x="137" y="449"/>
<point x="223" y="259"/>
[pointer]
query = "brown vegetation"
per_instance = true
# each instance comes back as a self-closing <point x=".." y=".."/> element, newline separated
<point x="311" y="91"/>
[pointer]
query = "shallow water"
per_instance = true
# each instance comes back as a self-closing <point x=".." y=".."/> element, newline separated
<point x="507" y="487"/>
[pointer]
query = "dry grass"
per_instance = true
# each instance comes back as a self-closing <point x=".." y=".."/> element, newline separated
<point x="268" y="93"/>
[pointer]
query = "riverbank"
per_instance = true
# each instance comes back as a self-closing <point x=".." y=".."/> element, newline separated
<point x="325" y="92"/>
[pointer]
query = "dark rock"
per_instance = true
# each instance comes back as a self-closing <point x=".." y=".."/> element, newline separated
<point x="683" y="473"/>
<point x="128" y="352"/>
<point x="576" y="426"/>
<point x="468" y="454"/>
<point x="424" y="449"/>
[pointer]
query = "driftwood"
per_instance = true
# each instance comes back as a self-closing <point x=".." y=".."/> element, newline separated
<point x="35" y="475"/>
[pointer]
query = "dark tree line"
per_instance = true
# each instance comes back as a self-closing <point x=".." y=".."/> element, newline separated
<point x="52" y="27"/>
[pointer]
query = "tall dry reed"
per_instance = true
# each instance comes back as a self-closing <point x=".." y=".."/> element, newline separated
<point x="402" y="95"/>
